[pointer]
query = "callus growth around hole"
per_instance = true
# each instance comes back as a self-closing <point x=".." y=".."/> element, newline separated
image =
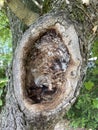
<point x="44" y="62"/>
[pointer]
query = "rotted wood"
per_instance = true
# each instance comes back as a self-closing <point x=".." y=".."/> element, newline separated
<point x="47" y="70"/>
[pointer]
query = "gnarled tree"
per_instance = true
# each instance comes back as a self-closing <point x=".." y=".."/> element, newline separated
<point x="49" y="61"/>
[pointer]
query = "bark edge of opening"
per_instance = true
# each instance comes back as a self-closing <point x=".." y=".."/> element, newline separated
<point x="69" y="37"/>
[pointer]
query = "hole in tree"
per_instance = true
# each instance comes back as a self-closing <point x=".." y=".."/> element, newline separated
<point x="45" y="65"/>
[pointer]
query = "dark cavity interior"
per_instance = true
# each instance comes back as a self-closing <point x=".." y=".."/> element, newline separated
<point x="46" y="64"/>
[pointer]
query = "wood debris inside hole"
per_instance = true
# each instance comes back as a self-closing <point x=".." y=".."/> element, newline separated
<point x="46" y="66"/>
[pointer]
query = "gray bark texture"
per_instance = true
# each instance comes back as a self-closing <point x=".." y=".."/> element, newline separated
<point x="49" y="65"/>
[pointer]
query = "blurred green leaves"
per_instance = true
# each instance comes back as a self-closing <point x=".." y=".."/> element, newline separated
<point x="5" y="43"/>
<point x="1" y="103"/>
<point x="5" y="32"/>
<point x="95" y="103"/>
<point x="5" y="51"/>
<point x="95" y="49"/>
<point x="89" y="85"/>
<point x="84" y="112"/>
<point x="3" y="82"/>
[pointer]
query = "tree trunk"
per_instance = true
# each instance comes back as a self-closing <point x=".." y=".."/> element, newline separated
<point x="49" y="65"/>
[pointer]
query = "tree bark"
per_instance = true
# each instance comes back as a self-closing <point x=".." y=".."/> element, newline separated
<point x="72" y="28"/>
<point x="22" y="12"/>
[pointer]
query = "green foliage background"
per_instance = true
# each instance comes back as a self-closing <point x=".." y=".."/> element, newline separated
<point x="5" y="51"/>
<point x="84" y="112"/>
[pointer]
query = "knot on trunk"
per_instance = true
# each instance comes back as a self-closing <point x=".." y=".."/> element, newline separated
<point x="47" y="66"/>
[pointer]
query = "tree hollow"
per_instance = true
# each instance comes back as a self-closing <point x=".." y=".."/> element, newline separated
<point x="47" y="67"/>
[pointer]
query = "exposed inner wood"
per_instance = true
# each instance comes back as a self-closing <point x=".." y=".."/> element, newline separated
<point x="46" y="66"/>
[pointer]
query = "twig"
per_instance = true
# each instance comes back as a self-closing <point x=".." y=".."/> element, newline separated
<point x="37" y="4"/>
